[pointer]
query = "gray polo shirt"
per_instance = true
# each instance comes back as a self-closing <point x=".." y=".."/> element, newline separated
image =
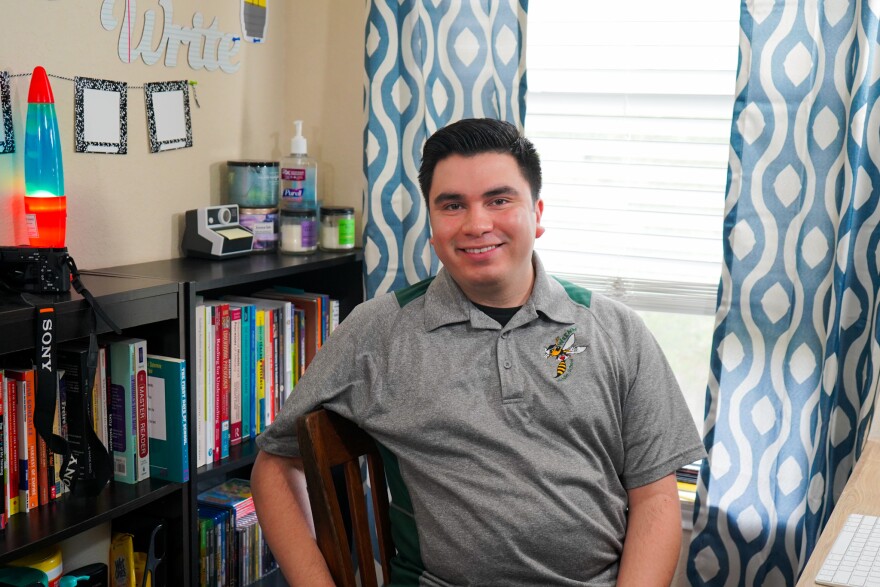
<point x="509" y="451"/>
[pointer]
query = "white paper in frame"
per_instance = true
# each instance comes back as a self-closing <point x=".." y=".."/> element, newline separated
<point x="100" y="118"/>
<point x="168" y="117"/>
<point x="7" y="136"/>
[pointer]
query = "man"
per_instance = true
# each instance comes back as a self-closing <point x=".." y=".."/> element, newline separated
<point x="536" y="427"/>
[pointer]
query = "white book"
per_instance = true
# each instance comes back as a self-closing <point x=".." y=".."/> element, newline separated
<point x="142" y="461"/>
<point x="210" y="400"/>
<point x="201" y="451"/>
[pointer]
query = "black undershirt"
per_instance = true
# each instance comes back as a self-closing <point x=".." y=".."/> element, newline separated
<point x="500" y="315"/>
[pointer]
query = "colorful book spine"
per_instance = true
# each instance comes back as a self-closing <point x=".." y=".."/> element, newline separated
<point x="169" y="444"/>
<point x="143" y="436"/>
<point x="225" y="378"/>
<point x="28" y="489"/>
<point x="127" y="360"/>
<point x="3" y="449"/>
<point x="73" y="360"/>
<point x="212" y="412"/>
<point x="235" y="377"/>
<point x="11" y="461"/>
<point x="199" y="387"/>
<point x="260" y="371"/>
<point x="247" y="368"/>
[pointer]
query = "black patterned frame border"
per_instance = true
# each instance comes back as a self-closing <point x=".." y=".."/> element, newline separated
<point x="7" y="139"/>
<point x="81" y="145"/>
<point x="177" y="143"/>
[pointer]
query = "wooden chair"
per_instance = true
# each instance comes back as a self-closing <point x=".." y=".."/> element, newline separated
<point x="325" y="441"/>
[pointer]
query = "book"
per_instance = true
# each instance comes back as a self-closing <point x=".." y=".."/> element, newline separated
<point x="235" y="374"/>
<point x="73" y="360"/>
<point x="28" y="489"/>
<point x="248" y="365"/>
<point x="128" y="391"/>
<point x="11" y="462"/>
<point x="199" y="386"/>
<point x="3" y="449"/>
<point x="169" y="442"/>
<point x="212" y="411"/>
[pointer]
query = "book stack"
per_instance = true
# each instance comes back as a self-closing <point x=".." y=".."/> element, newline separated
<point x="686" y="478"/>
<point x="250" y="353"/>
<point x="232" y="550"/>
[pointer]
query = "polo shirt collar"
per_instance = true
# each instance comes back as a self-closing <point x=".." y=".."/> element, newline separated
<point x="445" y="302"/>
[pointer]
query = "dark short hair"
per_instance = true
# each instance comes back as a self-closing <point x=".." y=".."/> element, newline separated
<point x="473" y="136"/>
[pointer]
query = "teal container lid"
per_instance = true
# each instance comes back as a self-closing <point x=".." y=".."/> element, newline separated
<point x="23" y="577"/>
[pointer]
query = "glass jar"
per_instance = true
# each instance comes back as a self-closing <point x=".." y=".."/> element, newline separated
<point x="299" y="232"/>
<point x="337" y="228"/>
<point x="263" y="222"/>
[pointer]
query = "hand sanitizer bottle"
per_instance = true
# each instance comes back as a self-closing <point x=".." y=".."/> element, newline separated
<point x="298" y="176"/>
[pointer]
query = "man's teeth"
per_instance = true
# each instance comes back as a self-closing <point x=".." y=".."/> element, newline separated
<point x="480" y="250"/>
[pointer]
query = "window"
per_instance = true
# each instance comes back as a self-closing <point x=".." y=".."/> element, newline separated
<point x="630" y="107"/>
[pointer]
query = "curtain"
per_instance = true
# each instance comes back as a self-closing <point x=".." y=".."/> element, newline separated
<point x="795" y="350"/>
<point x="428" y="63"/>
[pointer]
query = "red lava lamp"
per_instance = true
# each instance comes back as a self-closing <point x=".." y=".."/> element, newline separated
<point x="45" y="204"/>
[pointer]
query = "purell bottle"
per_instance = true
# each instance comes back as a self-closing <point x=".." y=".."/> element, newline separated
<point x="298" y="176"/>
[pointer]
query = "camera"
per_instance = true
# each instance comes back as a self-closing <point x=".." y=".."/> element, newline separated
<point x="35" y="270"/>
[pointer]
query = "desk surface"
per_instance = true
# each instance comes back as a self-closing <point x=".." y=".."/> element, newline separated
<point x="860" y="496"/>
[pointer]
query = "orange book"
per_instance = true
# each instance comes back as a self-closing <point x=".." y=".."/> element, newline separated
<point x="28" y="486"/>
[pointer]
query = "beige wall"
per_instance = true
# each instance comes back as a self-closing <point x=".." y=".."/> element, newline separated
<point x="128" y="208"/>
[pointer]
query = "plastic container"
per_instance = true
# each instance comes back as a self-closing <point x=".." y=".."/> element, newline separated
<point x="263" y="222"/>
<point x="299" y="231"/>
<point x="253" y="184"/>
<point x="337" y="228"/>
<point x="47" y="561"/>
<point x="298" y="176"/>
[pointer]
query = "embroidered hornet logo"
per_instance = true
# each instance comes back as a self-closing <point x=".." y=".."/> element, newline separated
<point x="562" y="351"/>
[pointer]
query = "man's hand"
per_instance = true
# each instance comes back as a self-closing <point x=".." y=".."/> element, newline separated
<point x="653" y="535"/>
<point x="282" y="503"/>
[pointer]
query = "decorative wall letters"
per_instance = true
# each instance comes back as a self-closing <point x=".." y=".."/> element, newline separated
<point x="206" y="47"/>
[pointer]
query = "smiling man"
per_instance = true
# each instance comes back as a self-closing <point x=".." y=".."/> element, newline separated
<point x="536" y="427"/>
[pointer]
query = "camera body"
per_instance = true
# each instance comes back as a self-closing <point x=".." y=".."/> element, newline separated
<point x="35" y="269"/>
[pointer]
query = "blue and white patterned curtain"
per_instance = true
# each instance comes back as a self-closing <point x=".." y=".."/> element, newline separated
<point x="428" y="63"/>
<point x="795" y="356"/>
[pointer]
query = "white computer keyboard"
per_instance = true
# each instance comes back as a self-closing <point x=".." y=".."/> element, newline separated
<point x="854" y="560"/>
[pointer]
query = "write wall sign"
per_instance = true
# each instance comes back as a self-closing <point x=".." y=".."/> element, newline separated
<point x="152" y="34"/>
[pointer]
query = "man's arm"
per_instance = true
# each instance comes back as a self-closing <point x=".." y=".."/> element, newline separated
<point x="282" y="503"/>
<point x="653" y="535"/>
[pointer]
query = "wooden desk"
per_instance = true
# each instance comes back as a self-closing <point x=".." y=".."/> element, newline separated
<point x="860" y="496"/>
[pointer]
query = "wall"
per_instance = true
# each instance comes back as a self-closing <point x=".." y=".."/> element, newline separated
<point x="128" y="208"/>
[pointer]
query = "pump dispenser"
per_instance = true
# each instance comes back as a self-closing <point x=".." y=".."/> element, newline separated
<point x="298" y="176"/>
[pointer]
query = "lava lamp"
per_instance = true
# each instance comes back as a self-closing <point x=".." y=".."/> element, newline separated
<point x="45" y="205"/>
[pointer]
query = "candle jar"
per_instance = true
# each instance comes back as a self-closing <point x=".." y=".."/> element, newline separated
<point x="337" y="228"/>
<point x="299" y="232"/>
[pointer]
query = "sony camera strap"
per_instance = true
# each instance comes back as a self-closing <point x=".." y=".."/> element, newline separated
<point x="72" y="471"/>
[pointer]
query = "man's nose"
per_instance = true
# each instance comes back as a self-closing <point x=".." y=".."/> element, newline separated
<point x="478" y="221"/>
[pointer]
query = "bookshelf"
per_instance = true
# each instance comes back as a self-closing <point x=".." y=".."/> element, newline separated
<point x="335" y="274"/>
<point x="147" y="307"/>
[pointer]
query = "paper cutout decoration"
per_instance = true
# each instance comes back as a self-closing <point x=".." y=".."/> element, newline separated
<point x="7" y="136"/>
<point x="168" y="115"/>
<point x="254" y="20"/>
<point x="100" y="118"/>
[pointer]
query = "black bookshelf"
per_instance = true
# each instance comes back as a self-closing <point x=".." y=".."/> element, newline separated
<point x="336" y="274"/>
<point x="152" y="308"/>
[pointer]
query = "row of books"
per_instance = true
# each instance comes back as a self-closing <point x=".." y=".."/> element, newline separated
<point x="250" y="353"/>
<point x="232" y="551"/>
<point x="136" y="407"/>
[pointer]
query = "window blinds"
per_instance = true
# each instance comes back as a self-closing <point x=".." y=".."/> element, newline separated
<point x="629" y="105"/>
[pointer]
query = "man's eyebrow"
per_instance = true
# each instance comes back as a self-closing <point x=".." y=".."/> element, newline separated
<point x="500" y="191"/>
<point x="445" y="197"/>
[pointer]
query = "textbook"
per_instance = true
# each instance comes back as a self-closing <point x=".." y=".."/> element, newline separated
<point x="28" y="490"/>
<point x="73" y="359"/>
<point x="169" y="443"/>
<point x="128" y="395"/>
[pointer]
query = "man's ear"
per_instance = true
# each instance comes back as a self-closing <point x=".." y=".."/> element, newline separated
<point x="539" y="209"/>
